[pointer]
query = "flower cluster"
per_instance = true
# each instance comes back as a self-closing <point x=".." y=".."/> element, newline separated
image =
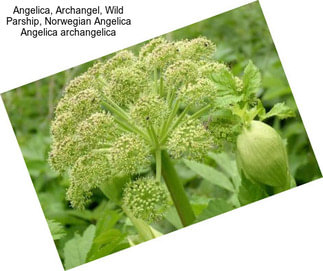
<point x="115" y="119"/>
<point x="146" y="199"/>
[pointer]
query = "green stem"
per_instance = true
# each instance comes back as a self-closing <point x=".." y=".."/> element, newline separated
<point x="107" y="100"/>
<point x="176" y="190"/>
<point x="154" y="135"/>
<point x="161" y="86"/>
<point x="199" y="113"/>
<point x="154" y="139"/>
<point x="170" y="98"/>
<point x="108" y="107"/>
<point x="158" y="164"/>
<point x="169" y="120"/>
<point x="177" y="122"/>
<point x="131" y="128"/>
<point x="124" y="119"/>
<point x="117" y="107"/>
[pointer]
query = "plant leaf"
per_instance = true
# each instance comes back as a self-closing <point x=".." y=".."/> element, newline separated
<point x="106" y="243"/>
<point x="210" y="174"/>
<point x="227" y="100"/>
<point x="107" y="221"/>
<point x="214" y="208"/>
<point x="228" y="166"/>
<point x="225" y="162"/>
<point x="250" y="192"/>
<point x="224" y="81"/>
<point x="173" y="218"/>
<point x="77" y="248"/>
<point x="281" y="111"/>
<point x="107" y="239"/>
<point x="56" y="229"/>
<point x="251" y="79"/>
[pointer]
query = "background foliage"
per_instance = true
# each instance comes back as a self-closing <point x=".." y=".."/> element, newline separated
<point x="240" y="35"/>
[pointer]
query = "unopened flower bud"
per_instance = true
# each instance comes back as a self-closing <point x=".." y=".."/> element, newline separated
<point x="261" y="155"/>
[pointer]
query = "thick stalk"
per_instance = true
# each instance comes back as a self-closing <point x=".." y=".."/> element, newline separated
<point x="177" y="191"/>
<point x="158" y="164"/>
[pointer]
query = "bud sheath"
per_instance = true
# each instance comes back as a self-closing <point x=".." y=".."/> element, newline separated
<point x="262" y="156"/>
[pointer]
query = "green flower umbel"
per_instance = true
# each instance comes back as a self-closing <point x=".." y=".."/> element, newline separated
<point x="146" y="199"/>
<point x="123" y="117"/>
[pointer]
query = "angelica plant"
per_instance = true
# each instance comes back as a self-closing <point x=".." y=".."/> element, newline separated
<point x="132" y="113"/>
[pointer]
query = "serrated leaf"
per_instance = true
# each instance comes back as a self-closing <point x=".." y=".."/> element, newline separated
<point x="250" y="192"/>
<point x="224" y="81"/>
<point x="107" y="221"/>
<point x="227" y="100"/>
<point x="261" y="111"/>
<point x="281" y="111"/>
<point x="214" y="208"/>
<point x="251" y="79"/>
<point x="210" y="174"/>
<point x="56" y="229"/>
<point x="107" y="239"/>
<point x="77" y="248"/>
<point x="106" y="243"/>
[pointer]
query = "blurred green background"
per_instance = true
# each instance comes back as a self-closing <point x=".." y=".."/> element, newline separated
<point x="240" y="35"/>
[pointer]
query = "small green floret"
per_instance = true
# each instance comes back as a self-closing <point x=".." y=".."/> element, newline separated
<point x="182" y="73"/>
<point x="97" y="131"/>
<point x="88" y="172"/>
<point x="125" y="85"/>
<point x="199" y="93"/>
<point x="191" y="140"/>
<point x="150" y="109"/>
<point x="196" y="49"/>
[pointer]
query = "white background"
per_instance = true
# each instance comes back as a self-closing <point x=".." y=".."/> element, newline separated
<point x="283" y="232"/>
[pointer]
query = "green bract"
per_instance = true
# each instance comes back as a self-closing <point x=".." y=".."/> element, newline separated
<point x="261" y="155"/>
